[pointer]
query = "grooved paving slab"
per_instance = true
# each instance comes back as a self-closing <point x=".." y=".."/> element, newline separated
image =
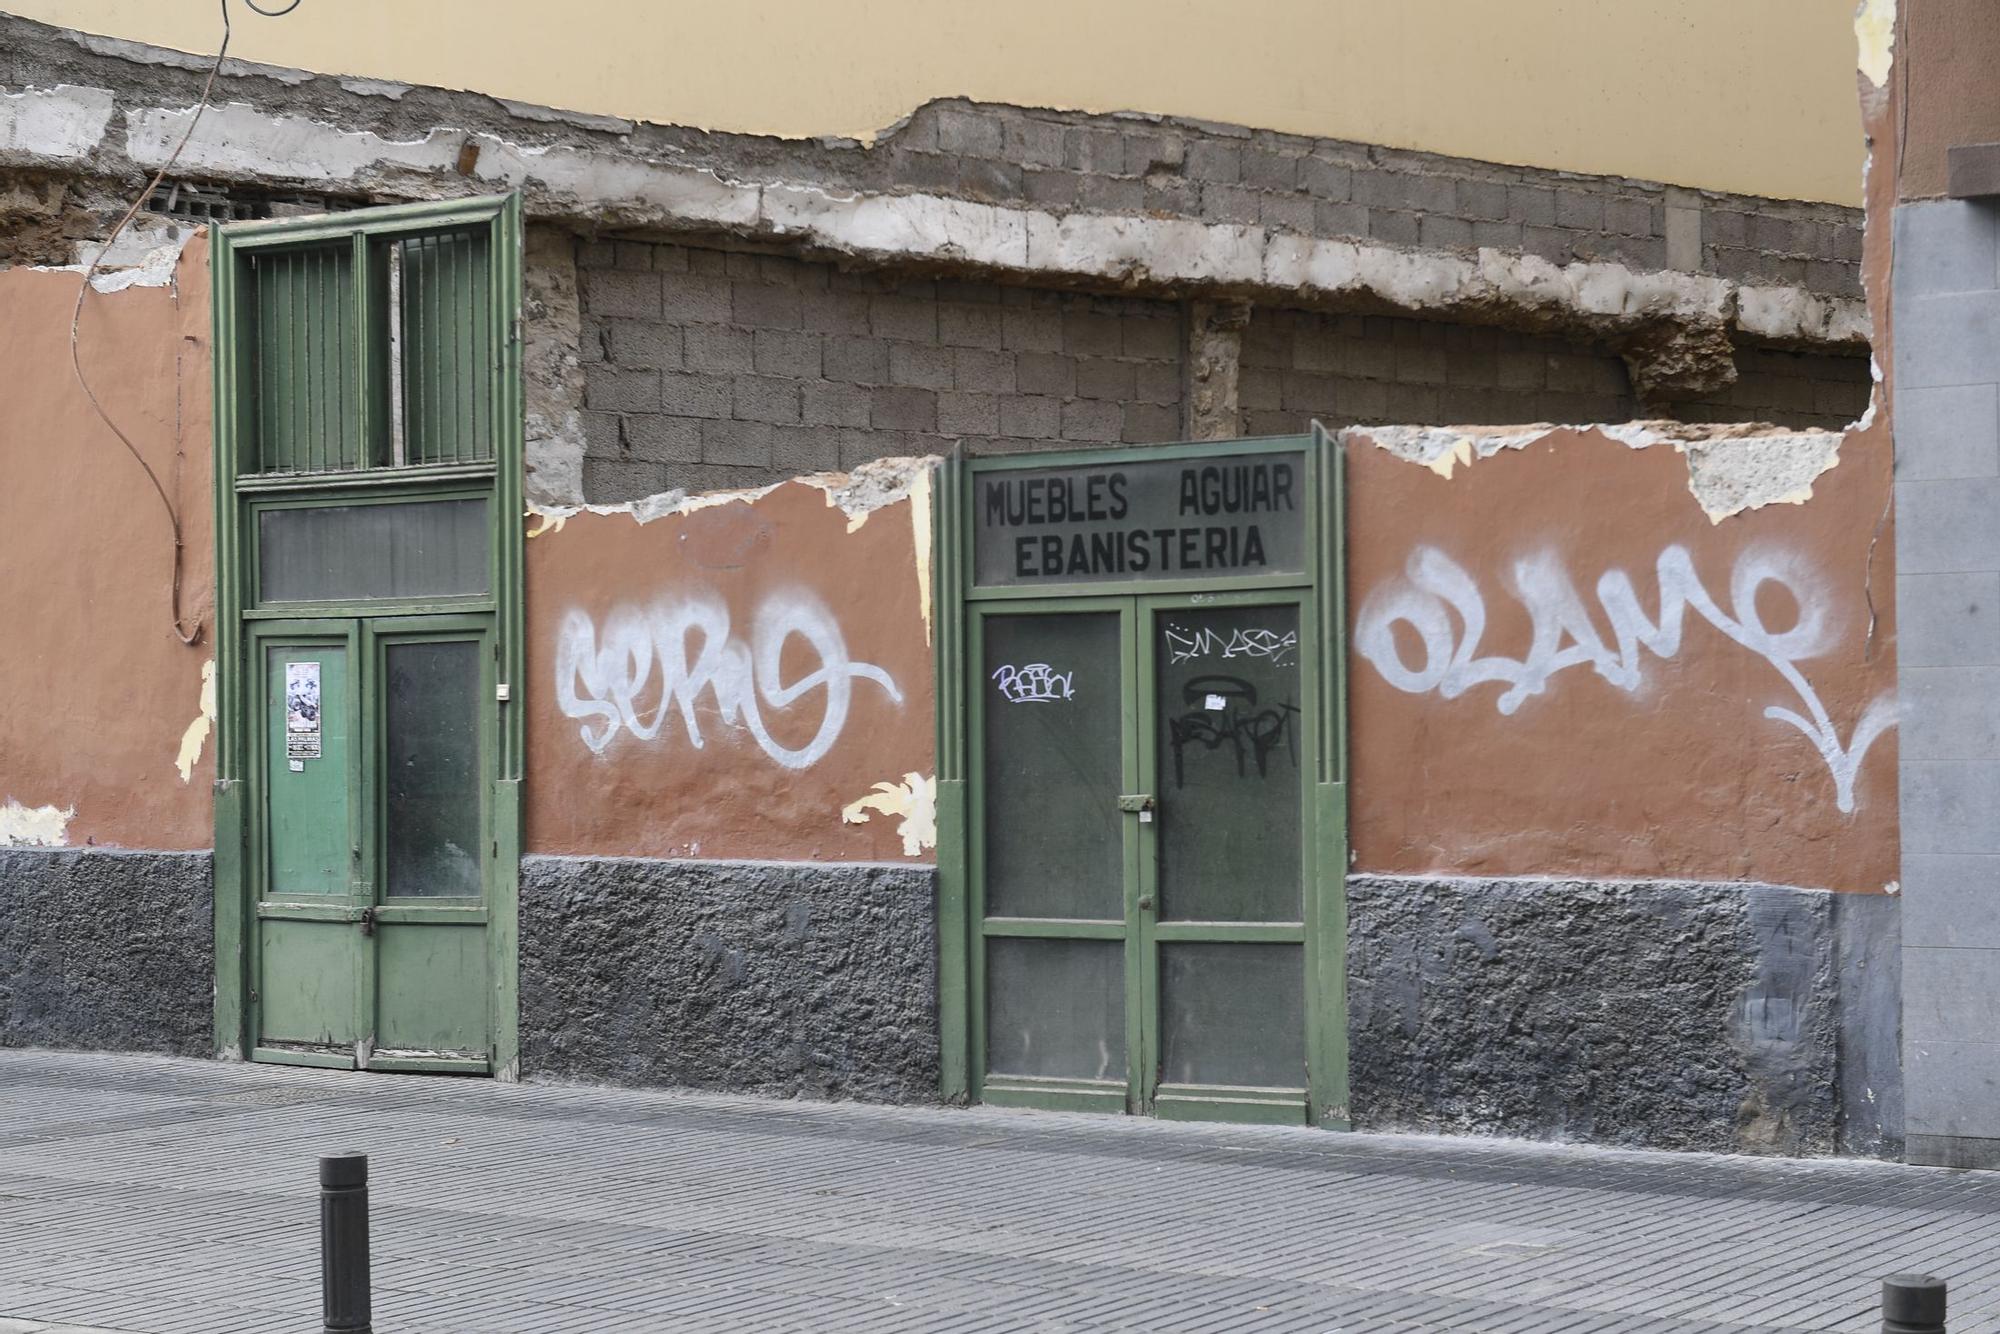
<point x="149" y="1194"/>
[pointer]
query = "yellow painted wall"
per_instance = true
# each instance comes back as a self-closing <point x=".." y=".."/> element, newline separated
<point x="1755" y="96"/>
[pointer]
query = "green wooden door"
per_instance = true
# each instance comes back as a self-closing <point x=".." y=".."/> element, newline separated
<point x="1141" y="861"/>
<point x="374" y="849"/>
<point x="1056" y="899"/>
<point x="1225" y="742"/>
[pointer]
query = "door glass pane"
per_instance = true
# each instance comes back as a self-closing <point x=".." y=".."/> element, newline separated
<point x="431" y="770"/>
<point x="427" y="548"/>
<point x="1233" y="1014"/>
<point x="308" y="826"/>
<point x="1229" y="779"/>
<point x="1055" y="1008"/>
<point x="1054" y="760"/>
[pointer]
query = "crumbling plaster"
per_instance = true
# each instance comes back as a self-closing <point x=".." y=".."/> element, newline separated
<point x="1730" y="468"/>
<point x="274" y="128"/>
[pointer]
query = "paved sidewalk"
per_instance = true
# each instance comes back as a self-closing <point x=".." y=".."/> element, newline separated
<point x="152" y="1195"/>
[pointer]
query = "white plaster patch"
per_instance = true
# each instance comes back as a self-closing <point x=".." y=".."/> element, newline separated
<point x="145" y="254"/>
<point x="63" y="122"/>
<point x="1875" y="39"/>
<point x="643" y="511"/>
<point x="238" y="139"/>
<point x="34" y="826"/>
<point x="913" y="802"/>
<point x="198" y="730"/>
<point x="596" y="181"/>
<point x="1728" y="471"/>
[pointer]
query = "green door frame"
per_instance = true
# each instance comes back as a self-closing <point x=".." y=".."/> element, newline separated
<point x="239" y="497"/>
<point x="959" y="613"/>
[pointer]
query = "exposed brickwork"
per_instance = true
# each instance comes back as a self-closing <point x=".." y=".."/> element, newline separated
<point x="708" y="369"/>
<point x="1351" y="370"/>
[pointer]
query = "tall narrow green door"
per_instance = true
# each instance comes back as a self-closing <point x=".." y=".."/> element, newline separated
<point x="368" y="636"/>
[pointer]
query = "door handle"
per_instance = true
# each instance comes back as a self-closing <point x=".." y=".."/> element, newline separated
<point x="1145" y="903"/>
<point x="368" y="921"/>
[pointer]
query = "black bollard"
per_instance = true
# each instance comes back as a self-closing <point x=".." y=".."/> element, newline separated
<point x="345" y="1304"/>
<point x="1912" y="1304"/>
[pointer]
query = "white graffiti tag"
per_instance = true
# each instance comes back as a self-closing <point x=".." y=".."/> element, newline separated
<point x="650" y="663"/>
<point x="1184" y="645"/>
<point x="1034" y="683"/>
<point x="1564" y="635"/>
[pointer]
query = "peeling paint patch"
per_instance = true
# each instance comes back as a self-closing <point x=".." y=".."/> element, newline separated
<point x="920" y="540"/>
<point x="664" y="505"/>
<point x="1875" y="38"/>
<point x="146" y="254"/>
<point x="40" y="826"/>
<point x="198" y="730"/>
<point x="872" y="485"/>
<point x="64" y="121"/>
<point x="912" y="801"/>
<point x="856" y="494"/>
<point x="1730" y="468"/>
<point x="1729" y="476"/>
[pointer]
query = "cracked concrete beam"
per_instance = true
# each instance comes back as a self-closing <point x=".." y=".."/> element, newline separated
<point x="603" y="178"/>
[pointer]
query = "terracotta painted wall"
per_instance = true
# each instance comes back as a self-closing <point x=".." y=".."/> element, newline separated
<point x="100" y="702"/>
<point x="1951" y="48"/>
<point x="1503" y="748"/>
<point x="728" y="681"/>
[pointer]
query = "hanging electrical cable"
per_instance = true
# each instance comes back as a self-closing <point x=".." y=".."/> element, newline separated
<point x="189" y="637"/>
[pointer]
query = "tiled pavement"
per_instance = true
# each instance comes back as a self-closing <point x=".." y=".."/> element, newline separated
<point x="151" y="1195"/>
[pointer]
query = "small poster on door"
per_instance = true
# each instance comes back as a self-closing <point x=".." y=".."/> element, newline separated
<point x="301" y="711"/>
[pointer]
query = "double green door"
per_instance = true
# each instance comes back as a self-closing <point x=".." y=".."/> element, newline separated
<point x="1146" y="922"/>
<point x="372" y="851"/>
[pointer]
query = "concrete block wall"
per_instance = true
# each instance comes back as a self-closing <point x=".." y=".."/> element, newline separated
<point x="1348" y="370"/>
<point x="707" y="368"/>
<point x="1947" y="427"/>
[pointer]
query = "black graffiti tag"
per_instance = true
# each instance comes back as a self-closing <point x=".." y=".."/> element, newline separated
<point x="1254" y="734"/>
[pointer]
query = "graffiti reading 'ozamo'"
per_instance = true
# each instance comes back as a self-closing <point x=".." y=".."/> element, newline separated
<point x="649" y="664"/>
<point x="1033" y="683"/>
<point x="1564" y="636"/>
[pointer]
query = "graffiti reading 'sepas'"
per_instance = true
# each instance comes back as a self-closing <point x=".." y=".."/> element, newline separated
<point x="1564" y="636"/>
<point x="609" y="679"/>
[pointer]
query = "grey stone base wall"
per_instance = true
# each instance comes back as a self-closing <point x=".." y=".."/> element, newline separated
<point x="765" y="977"/>
<point x="111" y="951"/>
<point x="1721" y="1017"/>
